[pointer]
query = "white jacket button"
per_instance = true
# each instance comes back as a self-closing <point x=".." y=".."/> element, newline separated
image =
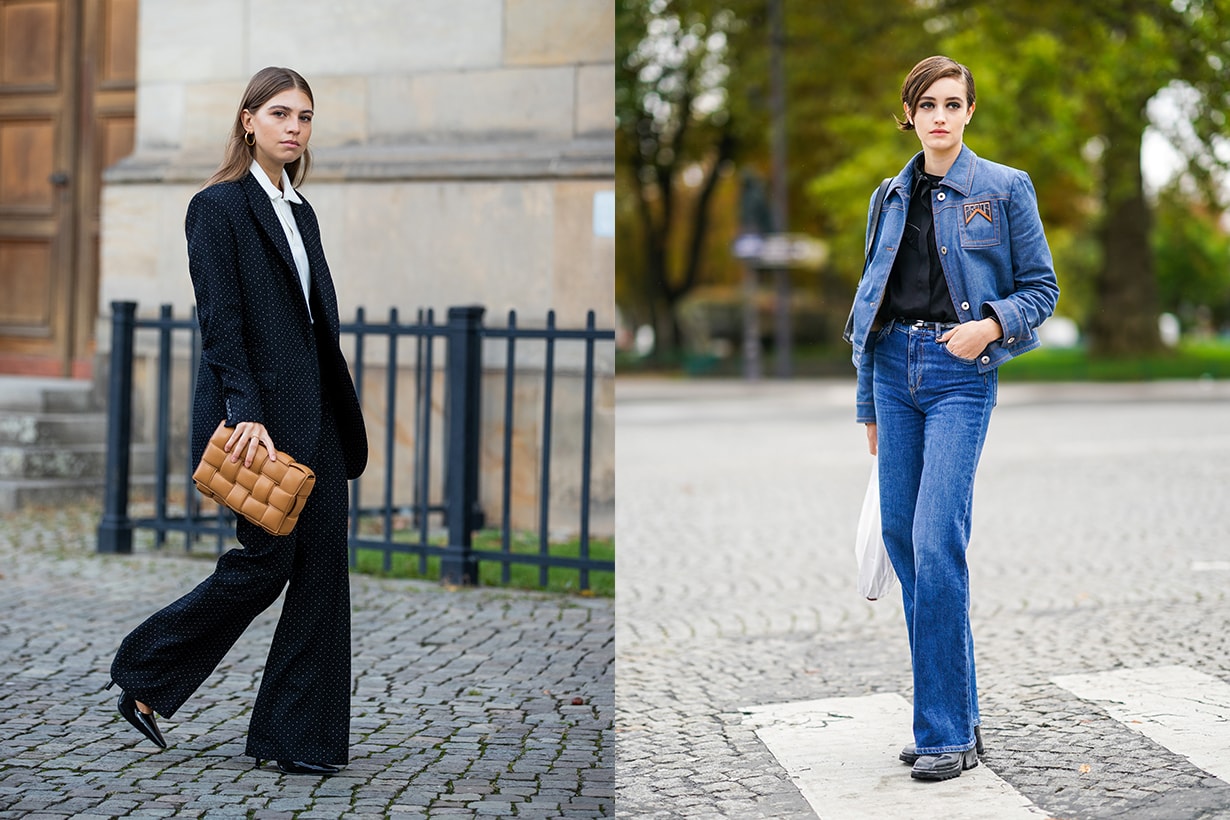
<point x="986" y="359"/>
<point x="944" y="250"/>
<point x="940" y="196"/>
<point x="1011" y="339"/>
<point x="965" y="306"/>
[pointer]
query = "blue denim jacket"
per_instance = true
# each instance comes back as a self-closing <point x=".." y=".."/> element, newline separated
<point x="993" y="252"/>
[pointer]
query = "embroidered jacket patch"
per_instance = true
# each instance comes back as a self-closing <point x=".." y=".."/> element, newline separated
<point x="982" y="209"/>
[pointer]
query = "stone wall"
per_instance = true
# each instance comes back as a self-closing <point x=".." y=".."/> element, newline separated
<point x="460" y="148"/>
<point x="524" y="245"/>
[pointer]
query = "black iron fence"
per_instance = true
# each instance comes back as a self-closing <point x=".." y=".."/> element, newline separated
<point x="398" y="523"/>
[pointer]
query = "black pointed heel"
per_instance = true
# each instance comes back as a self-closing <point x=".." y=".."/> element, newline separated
<point x="144" y="723"/>
<point x="299" y="767"/>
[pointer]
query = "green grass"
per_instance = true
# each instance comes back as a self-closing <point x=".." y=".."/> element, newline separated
<point x="521" y="576"/>
<point x="1191" y="360"/>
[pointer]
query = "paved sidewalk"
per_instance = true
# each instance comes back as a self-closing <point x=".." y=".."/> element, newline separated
<point x="1101" y="542"/>
<point x="486" y="703"/>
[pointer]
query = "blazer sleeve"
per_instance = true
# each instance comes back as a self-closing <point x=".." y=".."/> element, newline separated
<point x="213" y="263"/>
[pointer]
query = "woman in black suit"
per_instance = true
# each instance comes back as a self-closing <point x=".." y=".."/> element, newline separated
<point x="272" y="367"/>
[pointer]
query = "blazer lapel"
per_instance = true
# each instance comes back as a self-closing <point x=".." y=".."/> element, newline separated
<point x="268" y="220"/>
<point x="322" y="282"/>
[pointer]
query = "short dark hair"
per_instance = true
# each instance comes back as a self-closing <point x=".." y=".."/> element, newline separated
<point x="923" y="75"/>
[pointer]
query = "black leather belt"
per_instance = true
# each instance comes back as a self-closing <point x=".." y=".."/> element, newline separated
<point x="926" y="324"/>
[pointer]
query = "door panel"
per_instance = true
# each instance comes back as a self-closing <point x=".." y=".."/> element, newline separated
<point x="30" y="44"/>
<point x="109" y="89"/>
<point x="116" y="138"/>
<point x="118" y="52"/>
<point x="27" y="147"/>
<point x="25" y="299"/>
<point x="36" y="212"/>
<point x="67" y="111"/>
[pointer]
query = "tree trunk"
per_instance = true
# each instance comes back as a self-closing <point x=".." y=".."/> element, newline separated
<point x="667" y="338"/>
<point x="1125" y="310"/>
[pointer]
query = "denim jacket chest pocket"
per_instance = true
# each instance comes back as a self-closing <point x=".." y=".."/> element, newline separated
<point x="979" y="220"/>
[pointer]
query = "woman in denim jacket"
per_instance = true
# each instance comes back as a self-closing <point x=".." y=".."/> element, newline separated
<point x="958" y="278"/>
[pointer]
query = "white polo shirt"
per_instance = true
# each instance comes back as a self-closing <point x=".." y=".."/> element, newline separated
<point x="281" y="206"/>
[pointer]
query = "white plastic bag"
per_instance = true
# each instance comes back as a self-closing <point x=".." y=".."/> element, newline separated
<point x="875" y="573"/>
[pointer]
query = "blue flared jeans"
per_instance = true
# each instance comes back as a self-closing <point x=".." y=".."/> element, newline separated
<point x="932" y="410"/>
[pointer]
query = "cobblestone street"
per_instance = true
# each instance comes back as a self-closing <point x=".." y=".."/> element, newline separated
<point x="1101" y="541"/>
<point x="476" y="702"/>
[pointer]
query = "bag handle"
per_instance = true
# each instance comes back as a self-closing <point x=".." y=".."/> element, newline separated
<point x="873" y="224"/>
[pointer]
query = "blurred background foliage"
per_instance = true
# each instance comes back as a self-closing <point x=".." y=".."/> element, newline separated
<point x="1066" y="91"/>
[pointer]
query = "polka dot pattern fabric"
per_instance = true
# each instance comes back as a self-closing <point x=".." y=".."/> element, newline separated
<point x="302" y="710"/>
<point x="262" y="359"/>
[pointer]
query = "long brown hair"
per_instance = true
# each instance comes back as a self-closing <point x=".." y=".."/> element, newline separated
<point x="265" y="84"/>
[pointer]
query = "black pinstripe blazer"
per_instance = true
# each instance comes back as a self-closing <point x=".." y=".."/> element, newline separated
<point x="259" y="348"/>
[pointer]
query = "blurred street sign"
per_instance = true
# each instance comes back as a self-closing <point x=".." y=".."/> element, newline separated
<point x="792" y="250"/>
<point x="781" y="250"/>
<point x="747" y="246"/>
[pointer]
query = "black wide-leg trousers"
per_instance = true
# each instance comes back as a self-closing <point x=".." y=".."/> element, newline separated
<point x="302" y="710"/>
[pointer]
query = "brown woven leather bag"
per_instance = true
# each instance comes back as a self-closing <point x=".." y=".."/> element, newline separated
<point x="270" y="494"/>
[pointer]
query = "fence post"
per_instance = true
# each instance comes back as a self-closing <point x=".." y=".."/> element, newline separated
<point x="458" y="565"/>
<point x="115" y="528"/>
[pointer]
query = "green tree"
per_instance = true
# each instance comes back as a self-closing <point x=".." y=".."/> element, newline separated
<point x="1192" y="251"/>
<point x="692" y="89"/>
<point x="672" y="119"/>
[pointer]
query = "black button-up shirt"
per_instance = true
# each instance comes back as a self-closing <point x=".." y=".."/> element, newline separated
<point x="917" y="288"/>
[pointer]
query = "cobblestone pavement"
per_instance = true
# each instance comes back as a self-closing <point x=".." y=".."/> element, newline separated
<point x="463" y="701"/>
<point x="1101" y="541"/>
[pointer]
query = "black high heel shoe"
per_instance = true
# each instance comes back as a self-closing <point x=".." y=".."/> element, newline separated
<point x="299" y="767"/>
<point x="144" y="721"/>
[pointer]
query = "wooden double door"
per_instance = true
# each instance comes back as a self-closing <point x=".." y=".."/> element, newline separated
<point x="67" y="105"/>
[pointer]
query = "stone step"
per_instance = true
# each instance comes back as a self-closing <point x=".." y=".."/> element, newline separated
<point x="40" y="428"/>
<point x="17" y="494"/>
<point x="81" y="461"/>
<point x="45" y="395"/>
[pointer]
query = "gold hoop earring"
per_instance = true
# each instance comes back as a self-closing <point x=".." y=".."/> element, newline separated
<point x="250" y="138"/>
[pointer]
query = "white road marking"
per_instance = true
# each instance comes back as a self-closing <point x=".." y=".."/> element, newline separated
<point x="1186" y="711"/>
<point x="842" y="755"/>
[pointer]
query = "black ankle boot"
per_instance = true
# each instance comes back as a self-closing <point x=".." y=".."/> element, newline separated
<point x="944" y="766"/>
<point x="908" y="755"/>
